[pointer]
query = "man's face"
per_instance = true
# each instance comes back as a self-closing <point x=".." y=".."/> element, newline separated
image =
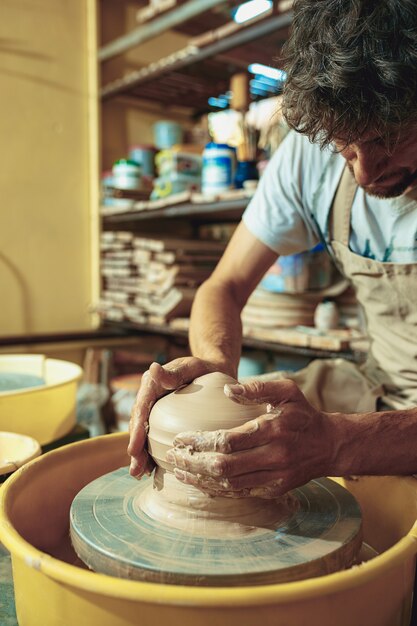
<point x="381" y="172"/>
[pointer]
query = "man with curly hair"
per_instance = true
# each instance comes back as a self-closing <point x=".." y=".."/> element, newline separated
<point x="346" y="175"/>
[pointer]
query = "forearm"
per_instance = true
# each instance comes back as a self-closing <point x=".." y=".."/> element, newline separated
<point x="381" y="443"/>
<point x="215" y="328"/>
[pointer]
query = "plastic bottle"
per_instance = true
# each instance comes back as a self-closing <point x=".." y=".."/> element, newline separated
<point x="218" y="168"/>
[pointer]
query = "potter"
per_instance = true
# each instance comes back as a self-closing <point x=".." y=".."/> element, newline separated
<point x="345" y="176"/>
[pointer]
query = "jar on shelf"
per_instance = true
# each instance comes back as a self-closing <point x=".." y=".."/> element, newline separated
<point x="144" y="155"/>
<point x="126" y="175"/>
<point x="218" y="168"/>
<point x="167" y="134"/>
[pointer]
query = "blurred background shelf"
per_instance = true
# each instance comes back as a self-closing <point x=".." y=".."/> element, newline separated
<point x="216" y="48"/>
<point x="247" y="342"/>
<point x="231" y="209"/>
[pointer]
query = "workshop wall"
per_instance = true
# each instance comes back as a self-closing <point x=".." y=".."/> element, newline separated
<point x="48" y="165"/>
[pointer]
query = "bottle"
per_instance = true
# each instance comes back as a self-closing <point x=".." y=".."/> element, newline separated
<point x="218" y="166"/>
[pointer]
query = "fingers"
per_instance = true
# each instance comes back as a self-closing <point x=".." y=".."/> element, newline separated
<point x="180" y="371"/>
<point x="265" y="484"/>
<point x="155" y="383"/>
<point x="226" y="465"/>
<point x="144" y="464"/>
<point x="145" y="398"/>
<point x="274" y="392"/>
<point x="254" y="433"/>
<point x="217" y="464"/>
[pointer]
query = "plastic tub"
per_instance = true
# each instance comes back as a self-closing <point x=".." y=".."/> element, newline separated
<point x="52" y="589"/>
<point x="47" y="412"/>
<point x="15" y="451"/>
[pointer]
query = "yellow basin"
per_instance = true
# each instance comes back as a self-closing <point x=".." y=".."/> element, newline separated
<point x="15" y="451"/>
<point x="52" y="588"/>
<point x="47" y="412"/>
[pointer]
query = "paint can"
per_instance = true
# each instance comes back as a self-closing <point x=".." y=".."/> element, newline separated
<point x="218" y="168"/>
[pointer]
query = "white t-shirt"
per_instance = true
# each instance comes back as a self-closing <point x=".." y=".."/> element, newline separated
<point x="289" y="211"/>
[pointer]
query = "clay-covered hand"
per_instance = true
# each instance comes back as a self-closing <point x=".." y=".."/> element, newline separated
<point x="283" y="449"/>
<point x="156" y="382"/>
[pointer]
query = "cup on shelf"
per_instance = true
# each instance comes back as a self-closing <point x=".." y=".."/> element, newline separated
<point x="167" y="134"/>
<point x="144" y="154"/>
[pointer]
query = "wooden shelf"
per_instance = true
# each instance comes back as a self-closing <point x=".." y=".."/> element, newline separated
<point x="196" y="72"/>
<point x="188" y="209"/>
<point x="155" y="20"/>
<point x="247" y="342"/>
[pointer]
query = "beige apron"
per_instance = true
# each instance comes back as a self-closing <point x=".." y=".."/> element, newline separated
<point x="388" y="295"/>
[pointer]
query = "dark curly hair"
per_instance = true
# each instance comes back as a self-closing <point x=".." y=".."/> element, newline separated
<point x="351" y="69"/>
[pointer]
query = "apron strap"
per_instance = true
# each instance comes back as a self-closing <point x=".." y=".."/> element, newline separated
<point x="340" y="211"/>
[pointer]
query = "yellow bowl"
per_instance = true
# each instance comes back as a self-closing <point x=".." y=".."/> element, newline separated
<point x="53" y="588"/>
<point x="47" y="412"/>
<point x="15" y="451"/>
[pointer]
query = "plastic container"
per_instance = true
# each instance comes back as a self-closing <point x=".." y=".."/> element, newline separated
<point x="167" y="134"/>
<point x="218" y="168"/>
<point x="52" y="587"/>
<point x="245" y="171"/>
<point x="47" y="412"/>
<point x="15" y="451"/>
<point x="165" y="186"/>
<point x="126" y="174"/>
<point x="178" y="162"/>
<point x="251" y="364"/>
<point x="145" y="156"/>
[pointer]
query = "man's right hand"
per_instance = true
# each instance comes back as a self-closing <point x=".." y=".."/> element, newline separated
<point x="157" y="382"/>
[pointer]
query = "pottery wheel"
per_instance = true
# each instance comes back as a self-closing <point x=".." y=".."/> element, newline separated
<point x="112" y="535"/>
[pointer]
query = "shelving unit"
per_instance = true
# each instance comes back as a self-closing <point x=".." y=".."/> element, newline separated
<point x="232" y="209"/>
<point x="247" y="342"/>
<point x="204" y="67"/>
<point x="190" y="210"/>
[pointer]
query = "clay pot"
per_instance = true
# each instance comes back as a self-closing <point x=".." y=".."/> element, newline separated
<point x="202" y="405"/>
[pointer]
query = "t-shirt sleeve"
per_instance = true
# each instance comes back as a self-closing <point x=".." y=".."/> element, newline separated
<point x="279" y="214"/>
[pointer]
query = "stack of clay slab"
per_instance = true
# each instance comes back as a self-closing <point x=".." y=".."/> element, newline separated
<point x="149" y="280"/>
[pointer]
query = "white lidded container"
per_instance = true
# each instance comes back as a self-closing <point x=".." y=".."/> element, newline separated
<point x="218" y="168"/>
<point x="126" y="174"/>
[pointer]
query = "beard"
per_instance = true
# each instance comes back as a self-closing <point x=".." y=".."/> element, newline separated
<point x="405" y="180"/>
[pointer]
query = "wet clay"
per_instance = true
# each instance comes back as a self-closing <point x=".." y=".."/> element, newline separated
<point x="203" y="406"/>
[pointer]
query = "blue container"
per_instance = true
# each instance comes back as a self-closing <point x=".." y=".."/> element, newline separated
<point x="218" y="168"/>
<point x="145" y="156"/>
<point x="246" y="170"/>
<point x="167" y="134"/>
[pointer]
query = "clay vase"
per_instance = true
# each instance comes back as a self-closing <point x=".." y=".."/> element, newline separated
<point x="200" y="406"/>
